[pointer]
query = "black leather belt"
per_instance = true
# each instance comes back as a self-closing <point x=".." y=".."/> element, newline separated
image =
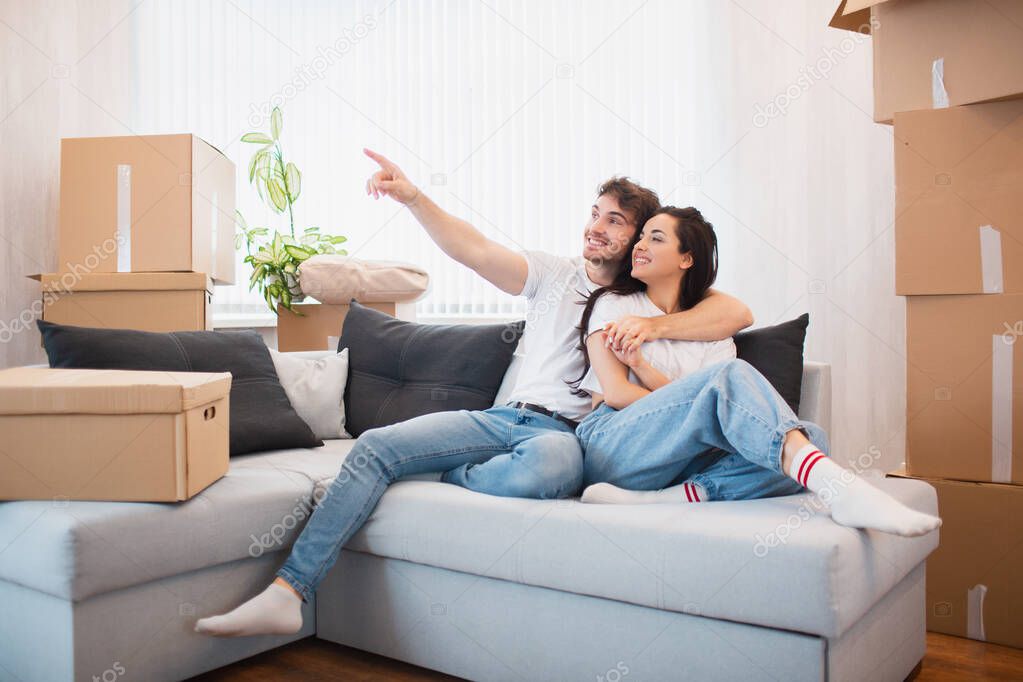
<point x="544" y="411"/>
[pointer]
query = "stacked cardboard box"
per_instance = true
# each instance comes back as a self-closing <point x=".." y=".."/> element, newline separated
<point x="949" y="74"/>
<point x="317" y="326"/>
<point x="146" y="229"/>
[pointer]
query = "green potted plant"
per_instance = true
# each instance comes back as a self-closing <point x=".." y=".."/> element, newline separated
<point x="275" y="259"/>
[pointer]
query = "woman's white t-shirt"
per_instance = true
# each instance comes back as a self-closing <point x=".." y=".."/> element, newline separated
<point x="674" y="359"/>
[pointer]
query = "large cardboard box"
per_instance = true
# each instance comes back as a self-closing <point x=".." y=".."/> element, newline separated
<point x="959" y="199"/>
<point x="147" y="301"/>
<point x="317" y="326"/>
<point x="964" y="382"/>
<point x="930" y="54"/>
<point x="146" y="203"/>
<point x="973" y="578"/>
<point x="86" y="434"/>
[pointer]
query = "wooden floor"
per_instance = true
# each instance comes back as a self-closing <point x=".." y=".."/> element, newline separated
<point x="311" y="659"/>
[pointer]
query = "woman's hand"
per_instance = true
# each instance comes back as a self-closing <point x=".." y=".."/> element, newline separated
<point x="631" y="356"/>
<point x="632" y="331"/>
<point x="389" y="181"/>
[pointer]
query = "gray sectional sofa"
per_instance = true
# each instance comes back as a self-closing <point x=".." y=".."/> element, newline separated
<point x="476" y="586"/>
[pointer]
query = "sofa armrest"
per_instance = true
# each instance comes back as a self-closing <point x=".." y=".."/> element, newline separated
<point x="815" y="400"/>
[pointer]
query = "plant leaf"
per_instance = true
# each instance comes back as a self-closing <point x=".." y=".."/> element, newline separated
<point x="276" y="121"/>
<point x="299" y="253"/>
<point x="338" y="239"/>
<point x="310" y="230"/>
<point x="294" y="179"/>
<point x="277" y="196"/>
<point x="256" y="138"/>
<point x="309" y="239"/>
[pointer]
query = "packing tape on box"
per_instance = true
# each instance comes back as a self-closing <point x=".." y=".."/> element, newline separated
<point x="123" y="234"/>
<point x="939" y="96"/>
<point x="215" y="211"/>
<point x="1001" y="408"/>
<point x="975" y="612"/>
<point x="991" y="259"/>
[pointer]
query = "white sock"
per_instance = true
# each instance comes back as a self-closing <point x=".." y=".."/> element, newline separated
<point x="605" y="493"/>
<point x="853" y="501"/>
<point x="274" y="611"/>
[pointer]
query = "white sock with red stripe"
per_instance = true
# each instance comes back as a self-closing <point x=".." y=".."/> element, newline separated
<point x="853" y="501"/>
<point x="605" y="493"/>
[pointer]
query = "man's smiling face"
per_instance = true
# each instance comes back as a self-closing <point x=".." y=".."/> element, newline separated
<point x="609" y="231"/>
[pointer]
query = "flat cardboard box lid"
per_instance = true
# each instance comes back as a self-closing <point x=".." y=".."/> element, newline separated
<point x="42" y="390"/>
<point x="854" y="15"/>
<point x="124" y="281"/>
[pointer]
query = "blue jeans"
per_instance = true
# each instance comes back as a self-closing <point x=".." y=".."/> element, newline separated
<point x="722" y="427"/>
<point x="533" y="455"/>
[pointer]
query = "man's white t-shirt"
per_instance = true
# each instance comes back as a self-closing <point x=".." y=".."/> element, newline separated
<point x="674" y="359"/>
<point x="556" y="289"/>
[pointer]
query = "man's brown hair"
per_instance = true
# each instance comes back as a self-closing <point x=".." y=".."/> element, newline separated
<point x="641" y="202"/>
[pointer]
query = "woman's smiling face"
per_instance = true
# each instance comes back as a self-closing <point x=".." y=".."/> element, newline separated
<point x="656" y="253"/>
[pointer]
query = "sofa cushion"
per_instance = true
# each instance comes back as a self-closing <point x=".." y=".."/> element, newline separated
<point x="261" y="416"/>
<point x="400" y="370"/>
<point x="315" y="383"/>
<point x="768" y="562"/>
<point x="777" y="353"/>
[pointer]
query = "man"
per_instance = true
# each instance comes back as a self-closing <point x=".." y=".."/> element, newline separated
<point x="527" y="448"/>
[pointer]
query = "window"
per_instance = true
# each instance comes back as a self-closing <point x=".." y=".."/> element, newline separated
<point x="508" y="114"/>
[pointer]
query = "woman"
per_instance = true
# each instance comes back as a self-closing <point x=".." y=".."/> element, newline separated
<point x="684" y="421"/>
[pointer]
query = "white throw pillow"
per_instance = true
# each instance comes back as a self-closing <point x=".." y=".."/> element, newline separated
<point x="315" y="384"/>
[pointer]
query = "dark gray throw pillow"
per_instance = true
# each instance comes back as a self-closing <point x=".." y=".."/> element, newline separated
<point x="777" y="352"/>
<point x="262" y="417"/>
<point x="399" y="370"/>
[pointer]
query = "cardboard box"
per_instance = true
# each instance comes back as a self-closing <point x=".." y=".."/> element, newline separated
<point x="318" y="325"/>
<point x="973" y="585"/>
<point x="86" y="434"/>
<point x="146" y="203"/>
<point x="964" y="385"/>
<point x="930" y="54"/>
<point x="959" y="199"/>
<point x="147" y="301"/>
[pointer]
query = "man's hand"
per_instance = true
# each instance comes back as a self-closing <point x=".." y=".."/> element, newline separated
<point x="389" y="181"/>
<point x="630" y="333"/>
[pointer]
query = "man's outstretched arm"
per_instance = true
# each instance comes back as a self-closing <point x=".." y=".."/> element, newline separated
<point x="718" y="316"/>
<point x="499" y="265"/>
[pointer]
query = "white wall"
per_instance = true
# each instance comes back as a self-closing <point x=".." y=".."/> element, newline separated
<point x="803" y="204"/>
<point x="65" y="70"/>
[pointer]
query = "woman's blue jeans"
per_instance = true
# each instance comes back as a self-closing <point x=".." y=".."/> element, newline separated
<point x="722" y="427"/>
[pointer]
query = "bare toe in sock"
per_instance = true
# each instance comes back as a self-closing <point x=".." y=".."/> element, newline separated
<point x="275" y="611"/>
<point x="861" y="505"/>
